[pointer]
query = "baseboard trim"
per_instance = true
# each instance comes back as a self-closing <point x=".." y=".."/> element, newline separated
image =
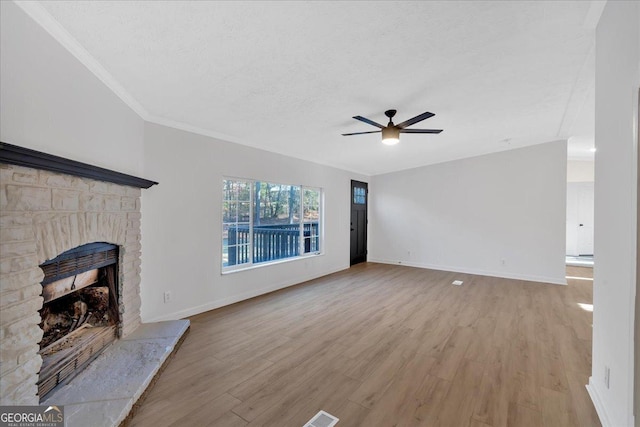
<point x="597" y="403"/>
<point x="478" y="272"/>
<point x="212" y="305"/>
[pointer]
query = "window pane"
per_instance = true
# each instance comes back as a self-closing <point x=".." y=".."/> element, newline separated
<point x="227" y="190"/>
<point x="229" y="212"/>
<point x="276" y="241"/>
<point x="244" y="191"/>
<point x="311" y="205"/>
<point x="244" y="213"/>
<point x="225" y="255"/>
<point x="276" y="222"/>
<point x="235" y="218"/>
<point x="276" y="204"/>
<point x="311" y="209"/>
<point x="359" y="196"/>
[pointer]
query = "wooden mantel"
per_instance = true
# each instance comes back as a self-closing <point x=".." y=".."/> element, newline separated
<point x="16" y="155"/>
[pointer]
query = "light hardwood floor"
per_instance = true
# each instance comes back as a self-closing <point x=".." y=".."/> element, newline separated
<point x="381" y="345"/>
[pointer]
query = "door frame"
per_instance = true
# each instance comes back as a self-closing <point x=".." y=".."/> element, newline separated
<point x="359" y="257"/>
<point x="636" y="350"/>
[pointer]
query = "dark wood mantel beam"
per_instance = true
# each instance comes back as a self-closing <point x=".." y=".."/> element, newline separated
<point x="16" y="155"/>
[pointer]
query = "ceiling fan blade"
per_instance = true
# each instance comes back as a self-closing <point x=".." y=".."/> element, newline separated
<point x="414" y="120"/>
<point x="360" y="133"/>
<point x="420" y="130"/>
<point x="371" y="122"/>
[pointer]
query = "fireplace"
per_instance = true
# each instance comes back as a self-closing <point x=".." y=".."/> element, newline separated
<point x="80" y="316"/>
<point x="69" y="247"/>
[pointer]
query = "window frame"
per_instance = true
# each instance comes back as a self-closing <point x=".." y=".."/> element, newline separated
<point x="251" y="264"/>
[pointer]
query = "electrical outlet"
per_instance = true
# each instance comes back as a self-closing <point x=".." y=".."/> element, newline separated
<point x="607" y="375"/>
<point x="167" y="297"/>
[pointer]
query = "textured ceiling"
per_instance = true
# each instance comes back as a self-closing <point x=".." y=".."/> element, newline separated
<point x="288" y="76"/>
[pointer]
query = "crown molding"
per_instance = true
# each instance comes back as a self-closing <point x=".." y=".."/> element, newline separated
<point x="596" y="7"/>
<point x="43" y="18"/>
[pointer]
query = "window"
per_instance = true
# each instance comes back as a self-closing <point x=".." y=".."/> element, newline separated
<point x="264" y="222"/>
<point x="359" y="195"/>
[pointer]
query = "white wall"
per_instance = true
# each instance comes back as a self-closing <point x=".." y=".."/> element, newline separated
<point x="580" y="170"/>
<point x="50" y="102"/>
<point x="617" y="83"/>
<point x="181" y="224"/>
<point x="469" y="215"/>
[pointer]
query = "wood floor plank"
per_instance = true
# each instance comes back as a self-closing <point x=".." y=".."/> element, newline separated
<point x="458" y="405"/>
<point x="576" y="353"/>
<point x="195" y="412"/>
<point x="383" y="345"/>
<point x="351" y="414"/>
<point x="453" y="353"/>
<point x="329" y="399"/>
<point x="399" y="402"/>
<point x="482" y="340"/>
<point x="494" y="397"/>
<point x="362" y="367"/>
<point x="269" y="393"/>
<point x="521" y="416"/>
<point x="504" y="390"/>
<point x="584" y="409"/>
<point x="292" y="400"/>
<point x="229" y="419"/>
<point x="551" y="374"/>
<point x="557" y="409"/>
<point x="376" y="384"/>
<point x="205" y="413"/>
<point x="429" y="397"/>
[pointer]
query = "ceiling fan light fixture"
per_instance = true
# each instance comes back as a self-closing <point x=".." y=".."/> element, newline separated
<point x="390" y="135"/>
<point x="391" y="132"/>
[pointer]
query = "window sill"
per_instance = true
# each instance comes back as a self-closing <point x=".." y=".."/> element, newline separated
<point x="267" y="264"/>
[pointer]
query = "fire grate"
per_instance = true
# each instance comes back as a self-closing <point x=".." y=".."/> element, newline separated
<point x="70" y="354"/>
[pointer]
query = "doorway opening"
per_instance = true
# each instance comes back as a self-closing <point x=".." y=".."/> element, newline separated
<point x="580" y="217"/>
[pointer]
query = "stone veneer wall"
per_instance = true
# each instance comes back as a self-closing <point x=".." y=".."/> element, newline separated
<point x="43" y="214"/>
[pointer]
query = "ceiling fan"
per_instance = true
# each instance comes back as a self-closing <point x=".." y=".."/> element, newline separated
<point x="390" y="132"/>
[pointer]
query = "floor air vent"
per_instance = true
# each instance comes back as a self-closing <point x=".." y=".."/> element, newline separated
<point x="322" y="419"/>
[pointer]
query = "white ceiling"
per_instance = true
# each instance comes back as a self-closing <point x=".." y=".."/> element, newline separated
<point x="288" y="76"/>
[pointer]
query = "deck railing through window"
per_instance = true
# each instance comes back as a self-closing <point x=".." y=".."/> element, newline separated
<point x="271" y="242"/>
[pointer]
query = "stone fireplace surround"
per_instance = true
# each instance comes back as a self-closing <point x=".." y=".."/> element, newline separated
<point x="43" y="214"/>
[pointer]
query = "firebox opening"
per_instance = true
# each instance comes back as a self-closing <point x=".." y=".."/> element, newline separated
<point x="80" y="316"/>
